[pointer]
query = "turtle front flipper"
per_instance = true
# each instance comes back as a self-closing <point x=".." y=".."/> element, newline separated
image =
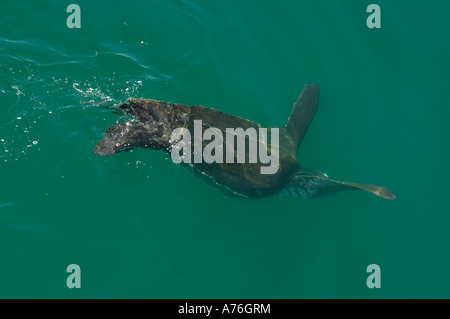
<point x="151" y="126"/>
<point x="127" y="135"/>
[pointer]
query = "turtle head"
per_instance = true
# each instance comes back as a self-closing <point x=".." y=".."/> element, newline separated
<point x="308" y="183"/>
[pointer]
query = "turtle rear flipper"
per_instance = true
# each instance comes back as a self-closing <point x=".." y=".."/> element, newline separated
<point x="374" y="189"/>
<point x="308" y="183"/>
<point x="302" y="114"/>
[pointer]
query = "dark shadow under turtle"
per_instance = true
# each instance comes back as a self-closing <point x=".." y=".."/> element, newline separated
<point x="153" y="122"/>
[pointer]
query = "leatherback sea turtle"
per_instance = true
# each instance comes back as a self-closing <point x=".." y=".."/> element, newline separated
<point x="153" y="122"/>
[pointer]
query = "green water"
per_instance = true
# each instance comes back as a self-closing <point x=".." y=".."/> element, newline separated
<point x="140" y="226"/>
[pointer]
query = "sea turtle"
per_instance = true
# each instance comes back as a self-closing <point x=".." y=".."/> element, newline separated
<point x="153" y="122"/>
